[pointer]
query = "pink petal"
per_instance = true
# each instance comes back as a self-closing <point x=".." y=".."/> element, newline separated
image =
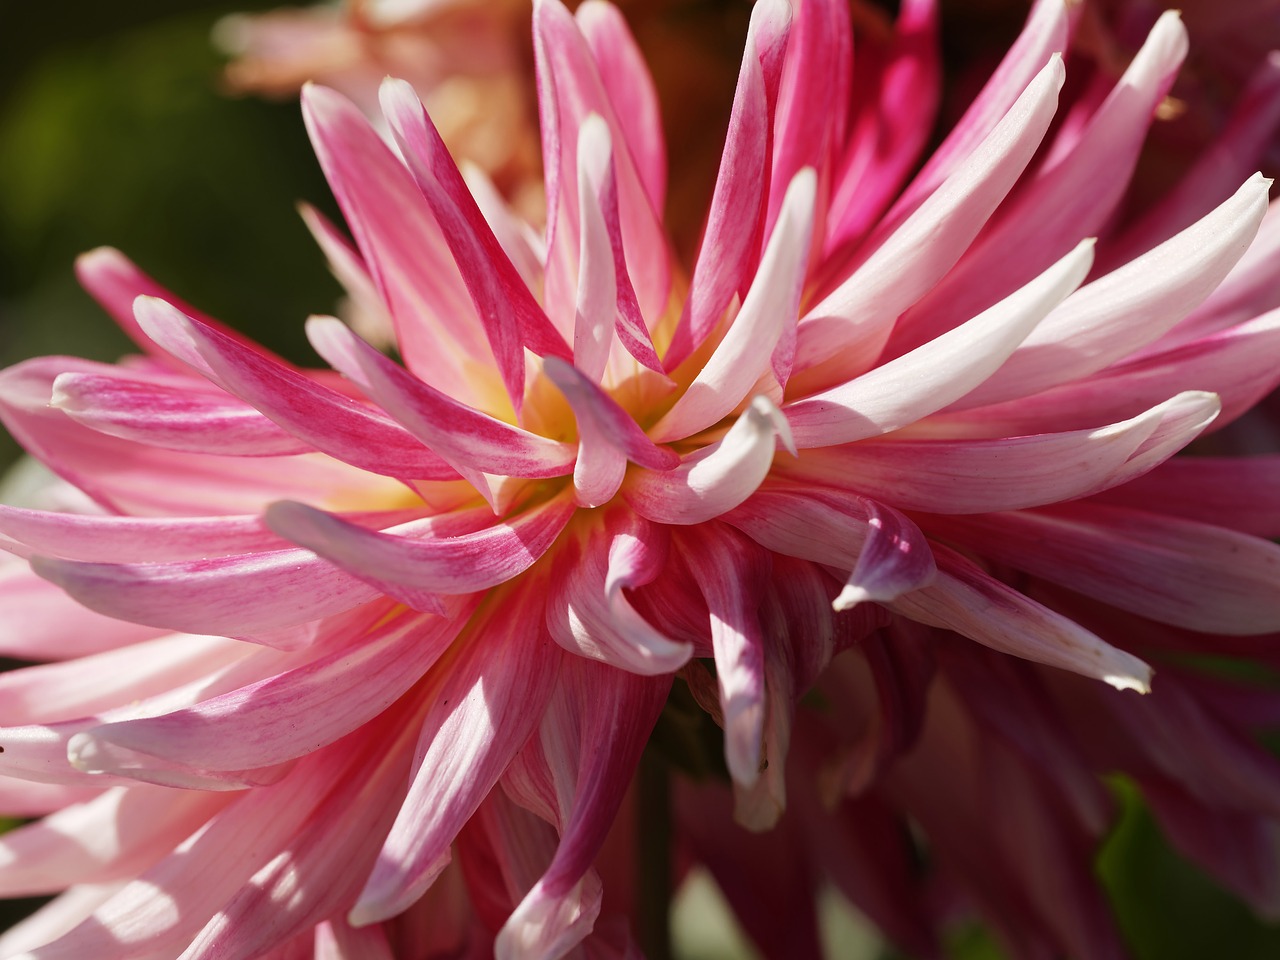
<point x="597" y="296"/>
<point x="731" y="571"/>
<point x="511" y="317"/>
<point x="314" y="413"/>
<point x="1044" y="35"/>
<point x="437" y="329"/>
<point x="971" y="603"/>
<point x="245" y="596"/>
<point x="1131" y="306"/>
<point x="916" y="384"/>
<point x="743" y="356"/>
<point x="592" y="734"/>
<point x="731" y="242"/>
<point x="117" y="835"/>
<point x="1172" y="571"/>
<point x="979" y="476"/>
<point x="630" y="89"/>
<point x="587" y="611"/>
<point x="1239" y="493"/>
<point x="170" y="416"/>
<point x="471" y="441"/>
<point x="484" y="702"/>
<point x="417" y="557"/>
<point x="1071" y="196"/>
<point x="570" y="89"/>
<point x="716" y="478"/>
<point x="844" y="333"/>
<point x="280" y="717"/>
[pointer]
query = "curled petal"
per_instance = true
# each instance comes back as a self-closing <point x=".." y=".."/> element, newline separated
<point x="718" y="477"/>
<point x="587" y="611"/>
<point x="895" y="559"/>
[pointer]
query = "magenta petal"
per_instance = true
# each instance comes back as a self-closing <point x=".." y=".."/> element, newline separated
<point x="895" y="559"/>
<point x="485" y="700"/>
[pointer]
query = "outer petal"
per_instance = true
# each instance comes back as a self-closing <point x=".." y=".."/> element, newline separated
<point x="966" y="600"/>
<point x="1172" y="571"/>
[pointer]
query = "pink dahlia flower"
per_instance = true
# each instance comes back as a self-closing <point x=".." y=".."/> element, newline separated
<point x="360" y="664"/>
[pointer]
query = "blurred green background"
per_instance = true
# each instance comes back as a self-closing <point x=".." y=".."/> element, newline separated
<point x="114" y="130"/>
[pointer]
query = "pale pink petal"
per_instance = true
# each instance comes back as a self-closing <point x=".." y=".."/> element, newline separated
<point x="26" y="798"/>
<point x="437" y="329"/>
<point x="38" y="621"/>
<point x="323" y="417"/>
<point x="117" y="835"/>
<point x="55" y="918"/>
<point x="587" y="611"/>
<point x="282" y="716"/>
<point x="1133" y="305"/>
<point x="734" y="232"/>
<point x="978" y="476"/>
<point x="484" y="702"/>
<point x="416" y="557"/>
<point x="843" y="334"/>
<point x="274" y="905"/>
<point x="349" y="269"/>
<point x="717" y="477"/>
<point x="743" y="356"/>
<point x="468" y="439"/>
<point x="597" y="295"/>
<point x="511" y="317"/>
<point x="90" y="684"/>
<point x="975" y="605"/>
<point x="1172" y="571"/>
<point x="338" y="940"/>
<point x="630" y="89"/>
<point x="916" y="384"/>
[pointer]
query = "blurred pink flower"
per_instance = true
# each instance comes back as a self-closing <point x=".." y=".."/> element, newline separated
<point x="909" y="445"/>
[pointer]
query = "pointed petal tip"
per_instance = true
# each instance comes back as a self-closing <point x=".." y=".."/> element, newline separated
<point x="765" y="414"/>
<point x="1139" y="681"/>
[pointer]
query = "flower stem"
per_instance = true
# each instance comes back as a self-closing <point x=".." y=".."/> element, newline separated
<point x="653" y="856"/>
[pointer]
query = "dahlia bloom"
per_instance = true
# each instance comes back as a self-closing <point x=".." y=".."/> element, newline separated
<point x="361" y="663"/>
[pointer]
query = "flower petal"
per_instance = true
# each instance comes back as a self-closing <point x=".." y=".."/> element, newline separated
<point x="966" y="600"/>
<point x="716" y="478"/>
<point x="895" y="559"/>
